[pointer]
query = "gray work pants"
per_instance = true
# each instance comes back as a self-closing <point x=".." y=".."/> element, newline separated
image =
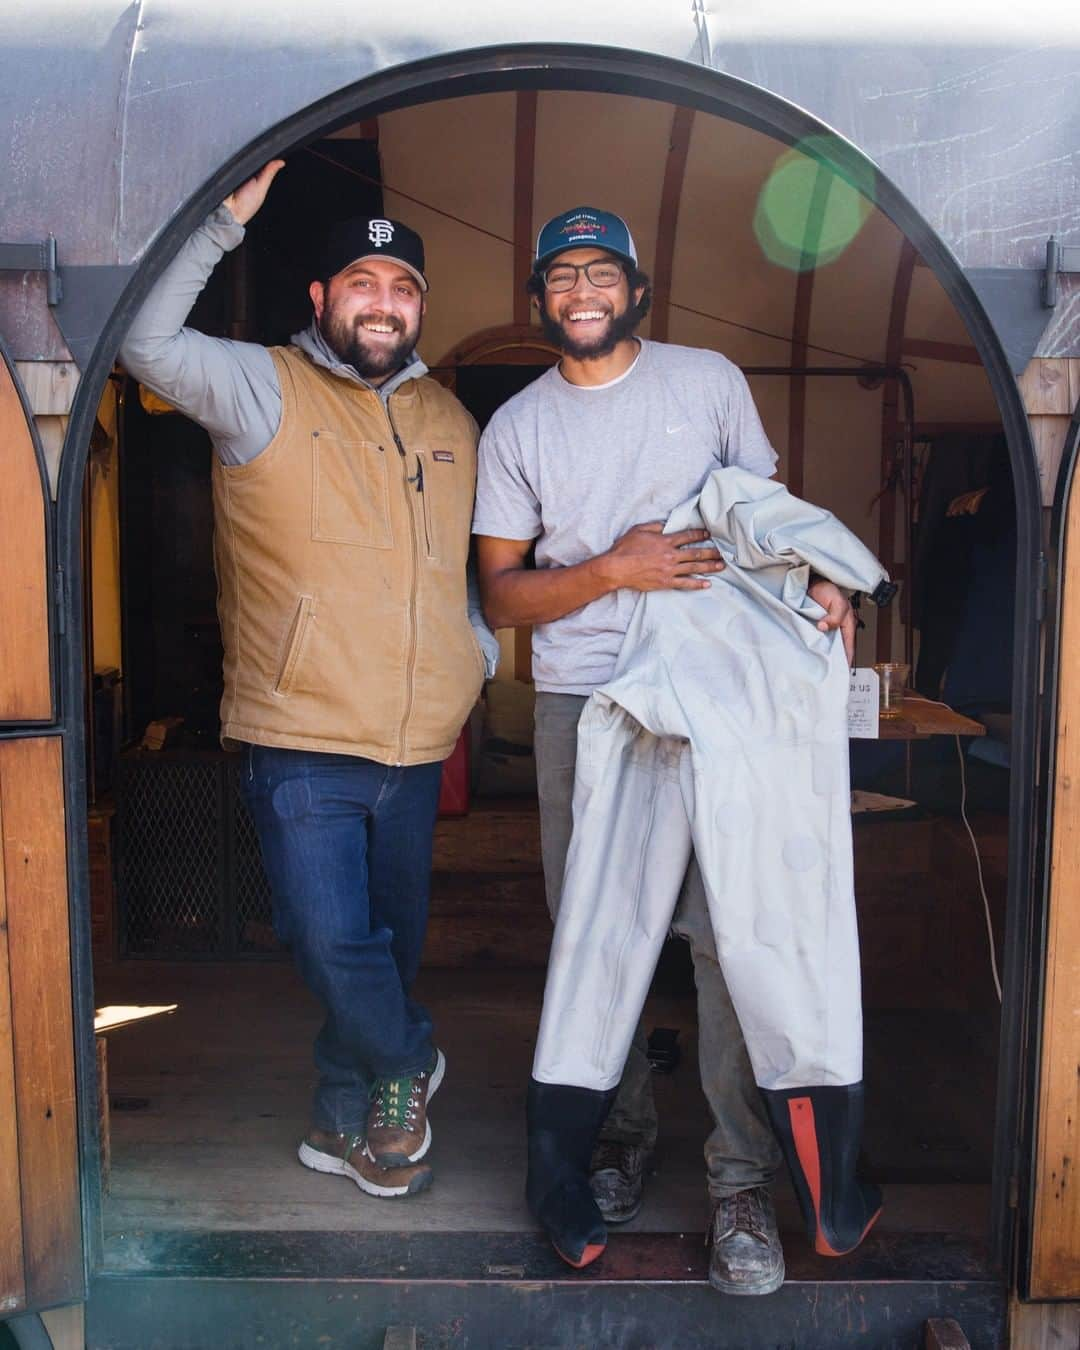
<point x="741" y="1151"/>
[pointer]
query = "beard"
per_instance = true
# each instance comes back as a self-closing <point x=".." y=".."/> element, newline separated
<point x="370" y="358"/>
<point x="620" y="327"/>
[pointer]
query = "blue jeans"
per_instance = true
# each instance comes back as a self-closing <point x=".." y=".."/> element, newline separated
<point x="346" y="844"/>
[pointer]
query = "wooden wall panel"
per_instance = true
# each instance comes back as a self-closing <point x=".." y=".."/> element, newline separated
<point x="1055" y="1268"/>
<point x="1048" y="436"/>
<point x="25" y="693"/>
<point x="1050" y="388"/>
<point x="1045" y="386"/>
<point x="12" y="1278"/>
<point x="35" y="884"/>
<point x="1044" y="1326"/>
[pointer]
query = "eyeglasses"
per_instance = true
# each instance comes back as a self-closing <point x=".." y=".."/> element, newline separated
<point x="564" y="276"/>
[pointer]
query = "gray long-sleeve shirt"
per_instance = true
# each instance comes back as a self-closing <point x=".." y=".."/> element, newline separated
<point x="231" y="388"/>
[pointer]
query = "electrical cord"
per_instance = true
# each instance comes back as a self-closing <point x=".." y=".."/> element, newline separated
<point x="975" y="849"/>
<point x="978" y="865"/>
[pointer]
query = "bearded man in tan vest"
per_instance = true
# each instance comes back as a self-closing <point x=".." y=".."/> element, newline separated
<point x="343" y="489"/>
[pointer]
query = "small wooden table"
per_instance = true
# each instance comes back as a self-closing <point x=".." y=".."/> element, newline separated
<point x="922" y="718"/>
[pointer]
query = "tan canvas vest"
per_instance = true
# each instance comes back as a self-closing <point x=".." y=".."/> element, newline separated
<point x="340" y="554"/>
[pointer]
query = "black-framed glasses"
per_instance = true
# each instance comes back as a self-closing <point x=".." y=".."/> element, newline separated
<point x="564" y="276"/>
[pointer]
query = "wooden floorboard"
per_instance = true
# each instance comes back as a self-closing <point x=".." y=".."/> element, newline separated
<point x="208" y="1104"/>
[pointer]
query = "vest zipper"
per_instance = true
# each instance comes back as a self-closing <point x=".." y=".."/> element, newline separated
<point x="410" y="663"/>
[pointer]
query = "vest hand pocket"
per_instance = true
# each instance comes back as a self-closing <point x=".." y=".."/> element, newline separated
<point x="294" y="644"/>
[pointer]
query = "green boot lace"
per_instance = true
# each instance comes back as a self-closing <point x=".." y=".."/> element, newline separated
<point x="395" y="1104"/>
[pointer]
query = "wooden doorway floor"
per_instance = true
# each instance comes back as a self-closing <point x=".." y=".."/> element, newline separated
<point x="208" y="1104"/>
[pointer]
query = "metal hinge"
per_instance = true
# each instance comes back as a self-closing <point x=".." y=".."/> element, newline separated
<point x="35" y="258"/>
<point x="1014" y="1193"/>
<point x="61" y="602"/>
<point x="1059" y="258"/>
<point x="1042" y="582"/>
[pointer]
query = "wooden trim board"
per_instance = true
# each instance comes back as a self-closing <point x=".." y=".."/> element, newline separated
<point x="35" y="882"/>
<point x="1055" y="1258"/>
<point x="25" y="685"/>
<point x="12" y="1275"/>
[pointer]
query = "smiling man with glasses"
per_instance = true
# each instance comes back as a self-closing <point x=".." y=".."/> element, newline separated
<point x="587" y="462"/>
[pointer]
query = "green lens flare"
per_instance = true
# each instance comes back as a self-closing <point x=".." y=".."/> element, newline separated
<point x="807" y="214"/>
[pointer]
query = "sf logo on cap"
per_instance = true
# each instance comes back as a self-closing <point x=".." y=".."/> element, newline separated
<point x="380" y="232"/>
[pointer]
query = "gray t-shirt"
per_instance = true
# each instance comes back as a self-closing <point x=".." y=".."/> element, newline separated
<point x="574" y="468"/>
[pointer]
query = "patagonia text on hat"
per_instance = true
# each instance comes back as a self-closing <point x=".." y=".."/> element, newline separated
<point x="584" y="227"/>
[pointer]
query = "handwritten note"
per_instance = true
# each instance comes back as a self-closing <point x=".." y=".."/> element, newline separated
<point x="862" y="708"/>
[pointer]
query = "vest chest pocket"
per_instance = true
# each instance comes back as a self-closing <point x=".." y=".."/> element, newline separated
<point x="350" y="492"/>
<point x="446" y="505"/>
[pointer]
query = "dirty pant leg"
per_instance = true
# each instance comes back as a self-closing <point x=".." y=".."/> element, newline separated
<point x="627" y="857"/>
<point x="632" y="1118"/>
<point x="346" y="844"/>
<point x="742" y="1150"/>
<point x="775" y="856"/>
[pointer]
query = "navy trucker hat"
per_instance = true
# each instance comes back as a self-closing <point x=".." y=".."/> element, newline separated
<point x="584" y="227"/>
<point x="372" y="237"/>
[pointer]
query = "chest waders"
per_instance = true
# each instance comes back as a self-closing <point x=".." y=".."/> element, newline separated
<point x="723" y="732"/>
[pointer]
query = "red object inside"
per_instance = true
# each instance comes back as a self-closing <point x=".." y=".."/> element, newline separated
<point x="454" y="792"/>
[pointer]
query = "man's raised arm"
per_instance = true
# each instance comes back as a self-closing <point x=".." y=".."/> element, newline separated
<point x="229" y="388"/>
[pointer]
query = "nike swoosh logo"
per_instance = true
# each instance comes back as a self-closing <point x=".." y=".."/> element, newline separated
<point x="681" y="427"/>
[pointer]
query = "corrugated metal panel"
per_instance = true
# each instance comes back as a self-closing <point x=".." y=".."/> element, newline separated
<point x="120" y="113"/>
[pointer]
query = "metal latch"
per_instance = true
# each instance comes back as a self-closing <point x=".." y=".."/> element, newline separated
<point x="1059" y="258"/>
<point x="34" y="258"/>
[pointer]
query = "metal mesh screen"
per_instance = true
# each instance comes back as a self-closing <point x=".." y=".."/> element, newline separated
<point x="190" y="881"/>
<point x="169" y="856"/>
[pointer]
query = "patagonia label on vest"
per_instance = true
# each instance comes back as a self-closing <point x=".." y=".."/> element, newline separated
<point x="443" y="456"/>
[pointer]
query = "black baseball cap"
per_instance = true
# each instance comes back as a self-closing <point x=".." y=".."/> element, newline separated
<point x="372" y="237"/>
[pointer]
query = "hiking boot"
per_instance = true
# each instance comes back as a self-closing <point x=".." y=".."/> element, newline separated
<point x="398" y="1131"/>
<point x="345" y="1155"/>
<point x="617" y="1179"/>
<point x="745" y="1255"/>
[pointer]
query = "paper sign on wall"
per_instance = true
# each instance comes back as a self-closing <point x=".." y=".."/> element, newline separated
<point x="862" y="708"/>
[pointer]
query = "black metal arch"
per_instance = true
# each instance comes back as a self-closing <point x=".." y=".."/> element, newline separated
<point x="603" y="70"/>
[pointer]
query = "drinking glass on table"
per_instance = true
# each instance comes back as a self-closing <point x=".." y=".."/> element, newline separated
<point x="892" y="681"/>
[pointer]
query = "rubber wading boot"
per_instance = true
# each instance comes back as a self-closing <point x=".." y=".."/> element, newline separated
<point x="820" y="1130"/>
<point x="563" y="1124"/>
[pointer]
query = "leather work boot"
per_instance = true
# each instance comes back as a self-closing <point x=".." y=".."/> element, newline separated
<point x="745" y="1255"/>
<point x="398" y="1130"/>
<point x="617" y="1179"/>
<point x="344" y="1155"/>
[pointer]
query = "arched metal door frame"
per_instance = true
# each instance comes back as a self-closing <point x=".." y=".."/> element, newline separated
<point x="608" y="70"/>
